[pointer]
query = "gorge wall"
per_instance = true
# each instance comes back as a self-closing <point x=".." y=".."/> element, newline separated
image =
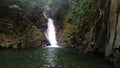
<point x="105" y="31"/>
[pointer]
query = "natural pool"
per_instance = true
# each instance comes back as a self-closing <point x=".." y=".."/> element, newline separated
<point x="49" y="58"/>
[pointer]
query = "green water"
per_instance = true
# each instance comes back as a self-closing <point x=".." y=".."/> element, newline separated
<point x="49" y="58"/>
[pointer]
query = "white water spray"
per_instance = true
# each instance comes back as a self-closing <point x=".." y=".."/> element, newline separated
<point x="51" y="33"/>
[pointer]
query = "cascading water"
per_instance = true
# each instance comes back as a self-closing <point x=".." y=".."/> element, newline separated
<point x="50" y="32"/>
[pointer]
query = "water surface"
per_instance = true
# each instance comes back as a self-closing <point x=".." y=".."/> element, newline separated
<point x="49" y="58"/>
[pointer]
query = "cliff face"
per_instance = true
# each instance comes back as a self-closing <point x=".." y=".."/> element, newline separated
<point x="106" y="31"/>
<point x="21" y="24"/>
<point x="113" y="42"/>
<point x="114" y="26"/>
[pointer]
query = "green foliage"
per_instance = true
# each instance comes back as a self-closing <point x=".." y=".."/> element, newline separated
<point x="80" y="15"/>
<point x="81" y="11"/>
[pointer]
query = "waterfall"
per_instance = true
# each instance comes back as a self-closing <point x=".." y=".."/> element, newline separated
<point x="50" y="32"/>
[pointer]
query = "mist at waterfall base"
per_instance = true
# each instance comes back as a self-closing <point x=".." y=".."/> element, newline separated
<point x="50" y="32"/>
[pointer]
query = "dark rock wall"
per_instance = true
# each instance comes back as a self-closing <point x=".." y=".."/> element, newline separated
<point x="105" y="31"/>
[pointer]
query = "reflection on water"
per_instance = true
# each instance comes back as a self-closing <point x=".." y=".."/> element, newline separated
<point x="49" y="58"/>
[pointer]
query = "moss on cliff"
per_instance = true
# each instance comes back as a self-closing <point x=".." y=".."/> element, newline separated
<point x="14" y="35"/>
